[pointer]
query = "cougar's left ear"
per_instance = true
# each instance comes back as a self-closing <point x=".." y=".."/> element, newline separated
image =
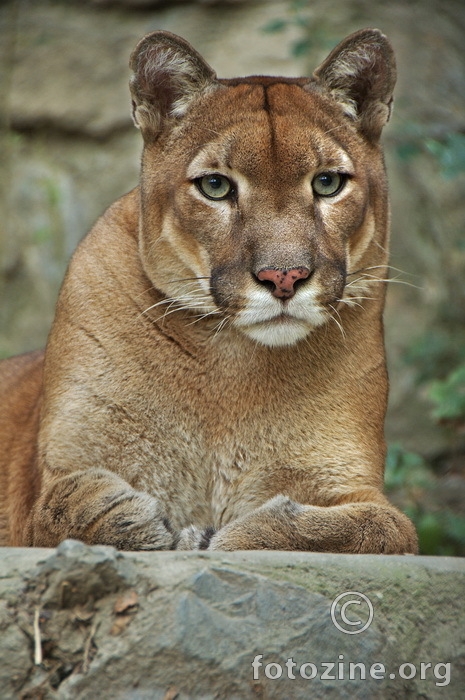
<point x="360" y="73"/>
<point x="168" y="74"/>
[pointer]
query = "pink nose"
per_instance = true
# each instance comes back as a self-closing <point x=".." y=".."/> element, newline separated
<point x="283" y="280"/>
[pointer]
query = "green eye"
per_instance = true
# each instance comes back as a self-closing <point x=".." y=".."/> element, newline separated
<point x="214" y="186"/>
<point x="328" y="184"/>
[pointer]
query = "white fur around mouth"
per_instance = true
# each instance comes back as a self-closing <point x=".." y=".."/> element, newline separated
<point x="283" y="330"/>
<point x="267" y="321"/>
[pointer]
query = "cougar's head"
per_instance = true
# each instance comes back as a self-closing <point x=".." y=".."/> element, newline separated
<point x="261" y="196"/>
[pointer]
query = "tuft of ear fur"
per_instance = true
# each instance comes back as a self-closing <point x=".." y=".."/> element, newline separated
<point x="360" y="73"/>
<point x="168" y="74"/>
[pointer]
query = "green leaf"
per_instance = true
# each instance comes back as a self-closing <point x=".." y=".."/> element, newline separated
<point x="430" y="533"/>
<point x="42" y="235"/>
<point x="408" y="150"/>
<point x="276" y="25"/>
<point x="302" y="22"/>
<point x="449" y="152"/>
<point x="301" y="47"/>
<point x="449" y="396"/>
<point x="455" y="526"/>
<point x="299" y="5"/>
<point x="405" y="469"/>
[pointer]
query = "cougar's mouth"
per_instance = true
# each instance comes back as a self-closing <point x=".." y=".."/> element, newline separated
<point x="282" y="318"/>
<point x="279" y="331"/>
<point x="272" y="322"/>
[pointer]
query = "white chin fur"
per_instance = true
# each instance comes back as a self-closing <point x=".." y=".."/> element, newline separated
<point x="277" y="334"/>
<point x="262" y="318"/>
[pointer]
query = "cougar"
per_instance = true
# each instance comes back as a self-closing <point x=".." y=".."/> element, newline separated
<point x="215" y="376"/>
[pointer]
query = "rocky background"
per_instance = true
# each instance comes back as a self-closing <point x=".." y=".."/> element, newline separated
<point x="68" y="149"/>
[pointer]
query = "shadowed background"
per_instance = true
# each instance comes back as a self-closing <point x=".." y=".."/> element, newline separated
<point x="68" y="149"/>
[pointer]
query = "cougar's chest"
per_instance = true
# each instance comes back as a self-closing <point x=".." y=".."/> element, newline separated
<point x="206" y="450"/>
<point x="221" y="425"/>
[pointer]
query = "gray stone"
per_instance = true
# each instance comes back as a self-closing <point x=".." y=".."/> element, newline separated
<point x="150" y="625"/>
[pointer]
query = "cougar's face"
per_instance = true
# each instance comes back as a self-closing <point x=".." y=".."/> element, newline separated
<point x="265" y="199"/>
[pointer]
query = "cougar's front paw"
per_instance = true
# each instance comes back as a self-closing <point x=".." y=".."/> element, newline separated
<point x="193" y="538"/>
<point x="268" y="527"/>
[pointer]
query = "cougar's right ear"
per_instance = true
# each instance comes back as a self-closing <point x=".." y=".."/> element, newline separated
<point x="168" y="75"/>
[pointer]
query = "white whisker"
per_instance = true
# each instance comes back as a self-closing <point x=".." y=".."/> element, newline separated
<point x="220" y="326"/>
<point x="186" y="301"/>
<point x="393" y="280"/>
<point x="338" y="323"/>
<point x="350" y="302"/>
<point x="202" y="316"/>
<point x="354" y="301"/>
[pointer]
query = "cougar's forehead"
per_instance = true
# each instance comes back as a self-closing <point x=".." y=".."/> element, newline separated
<point x="255" y="127"/>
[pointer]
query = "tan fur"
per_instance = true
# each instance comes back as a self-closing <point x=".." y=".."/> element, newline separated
<point x="183" y="403"/>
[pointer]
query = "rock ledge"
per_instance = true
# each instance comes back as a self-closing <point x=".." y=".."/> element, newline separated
<point x="85" y="622"/>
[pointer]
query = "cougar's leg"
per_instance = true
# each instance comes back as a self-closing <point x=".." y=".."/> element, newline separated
<point x="363" y="522"/>
<point x="98" y="507"/>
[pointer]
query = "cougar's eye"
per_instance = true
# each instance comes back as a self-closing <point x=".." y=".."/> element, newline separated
<point x="214" y="186"/>
<point x="328" y="184"/>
